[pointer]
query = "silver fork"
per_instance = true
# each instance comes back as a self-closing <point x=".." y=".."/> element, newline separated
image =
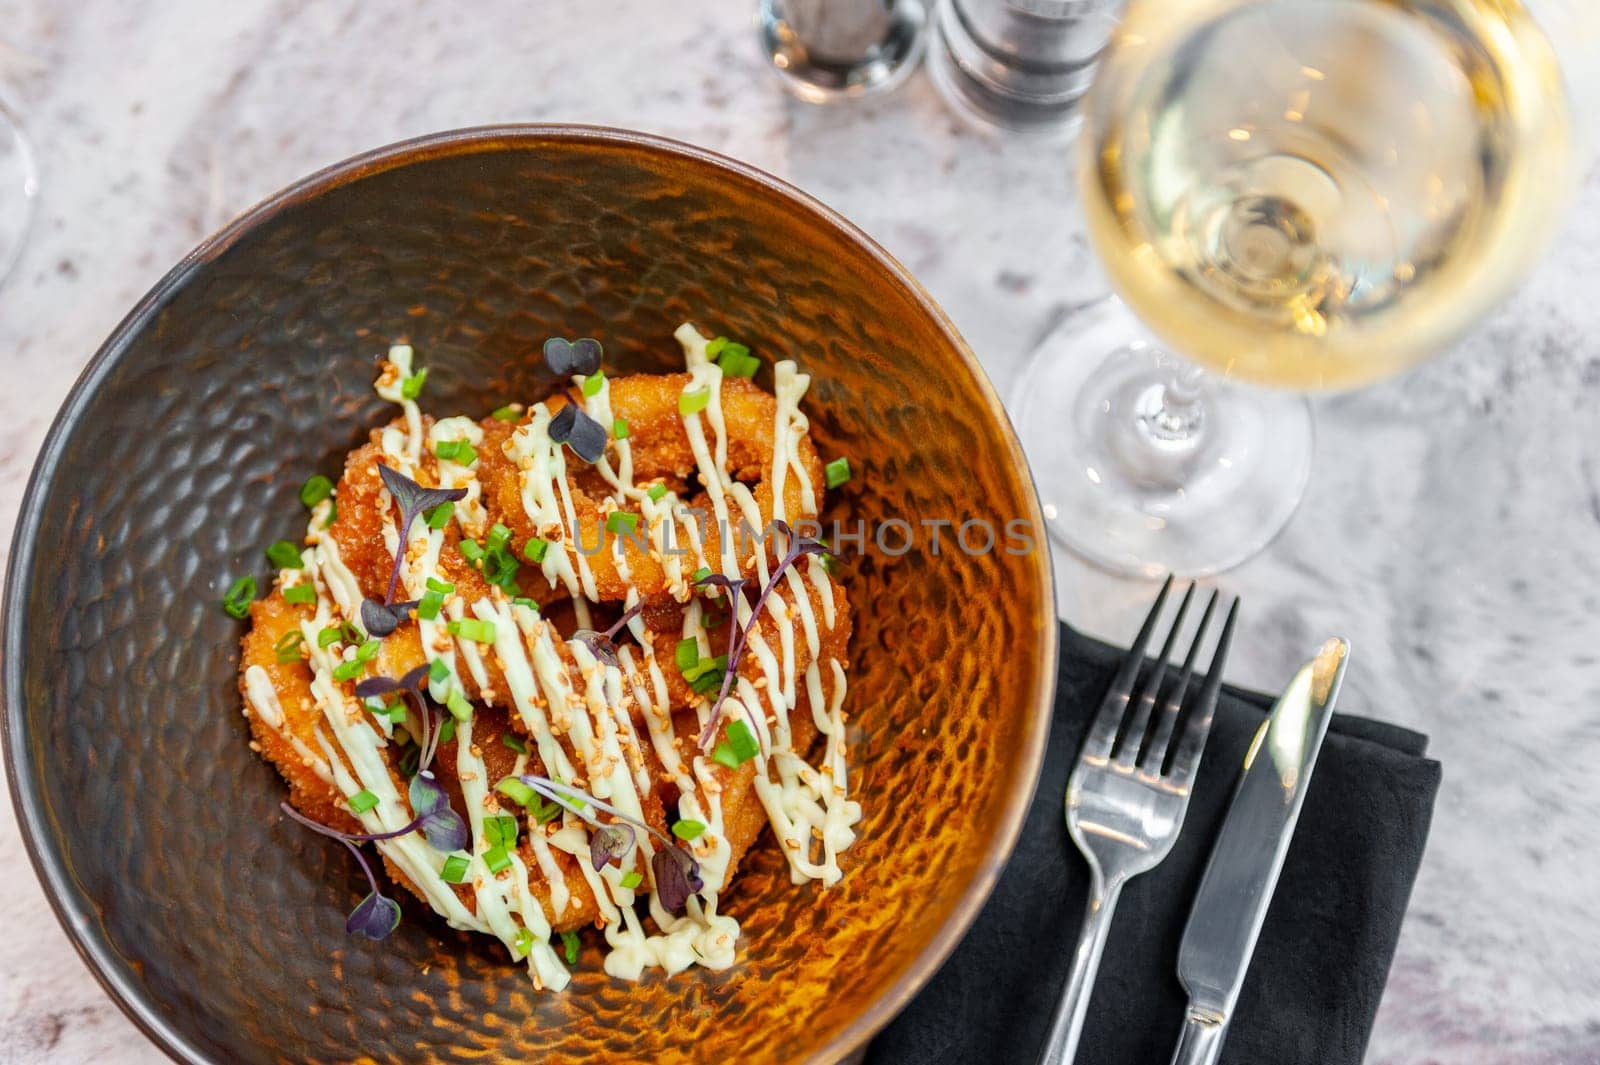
<point x="1129" y="792"/>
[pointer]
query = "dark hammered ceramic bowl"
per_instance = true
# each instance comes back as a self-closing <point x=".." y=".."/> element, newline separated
<point x="216" y="923"/>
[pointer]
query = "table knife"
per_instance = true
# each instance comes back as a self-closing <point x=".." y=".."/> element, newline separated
<point x="1244" y="865"/>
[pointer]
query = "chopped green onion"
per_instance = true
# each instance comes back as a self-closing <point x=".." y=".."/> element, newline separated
<point x="328" y="637"/>
<point x="706" y="683"/>
<point x="351" y="634"/>
<point x="687" y="653"/>
<point x="440" y="586"/>
<point x="509" y="413"/>
<point x="411" y="387"/>
<point x="455" y="869"/>
<point x="471" y="550"/>
<point x="301" y="594"/>
<point x="333" y="513"/>
<point x="738" y="748"/>
<point x="516" y="791"/>
<point x="288" y="646"/>
<point x="656" y="492"/>
<point x="285" y="555"/>
<point x="362" y="801"/>
<point x="439" y="516"/>
<point x="546" y="812"/>
<point x="570" y="941"/>
<point x="429" y="605"/>
<point x="522" y="600"/>
<point x="594" y="382"/>
<point x="633" y="879"/>
<point x="438" y="671"/>
<point x="348" y="670"/>
<point x="694" y="402"/>
<point x="447" y="731"/>
<point x="457" y="704"/>
<point x="714" y="347"/>
<point x="734" y="359"/>
<point x="700" y="574"/>
<point x="619" y="428"/>
<point x="515" y="742"/>
<point x="472" y="629"/>
<point x="704" y="666"/>
<point x="499" y="536"/>
<point x="460" y="451"/>
<point x="315" y="490"/>
<point x="837" y="472"/>
<point x="524" y="943"/>
<point x="500" y="830"/>
<point x="368" y="651"/>
<point x="496" y="859"/>
<point x="688" y="831"/>
<point x="534" y="550"/>
<point x="622" y="523"/>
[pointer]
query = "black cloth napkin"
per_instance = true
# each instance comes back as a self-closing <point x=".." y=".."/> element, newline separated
<point x="1324" y="952"/>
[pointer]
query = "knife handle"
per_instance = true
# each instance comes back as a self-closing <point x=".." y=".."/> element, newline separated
<point x="1200" y="1042"/>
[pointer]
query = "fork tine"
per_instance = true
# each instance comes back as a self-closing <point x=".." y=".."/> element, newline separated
<point x="1155" y="753"/>
<point x="1186" y="760"/>
<point x="1103" y="732"/>
<point x="1130" y="739"/>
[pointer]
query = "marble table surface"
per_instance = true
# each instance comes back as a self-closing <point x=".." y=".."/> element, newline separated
<point x="1451" y="529"/>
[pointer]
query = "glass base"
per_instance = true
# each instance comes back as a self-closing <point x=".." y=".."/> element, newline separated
<point x="789" y="40"/>
<point x="19" y="184"/>
<point x="1147" y="466"/>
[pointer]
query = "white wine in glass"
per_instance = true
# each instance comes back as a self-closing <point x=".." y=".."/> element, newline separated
<point x="1307" y="194"/>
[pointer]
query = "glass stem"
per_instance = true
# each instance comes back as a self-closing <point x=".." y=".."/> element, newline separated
<point x="1174" y="413"/>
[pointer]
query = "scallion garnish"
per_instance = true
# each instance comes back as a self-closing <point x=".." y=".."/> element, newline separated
<point x="429" y="605"/>
<point x="315" y="490"/>
<point x="700" y="574"/>
<point x="619" y="428"/>
<point x="694" y="401"/>
<point x="328" y="637"/>
<point x="455" y="869"/>
<point x="411" y="387"/>
<point x="511" y="412"/>
<point x="515" y="742"/>
<point x="438" y="671"/>
<point x="739" y="745"/>
<point x="240" y="594"/>
<point x="447" y="730"/>
<point x="688" y="831"/>
<point x="288" y="646"/>
<point x="534" y="550"/>
<point x="499" y="536"/>
<point x="348" y="670"/>
<point x="656" y="492"/>
<point x="516" y="791"/>
<point x="622" y="523"/>
<point x="522" y="600"/>
<point x="594" y="383"/>
<point x="439" y="516"/>
<point x="302" y="594"/>
<point x="524" y="943"/>
<point x="496" y="859"/>
<point x="285" y="555"/>
<point x="837" y="472"/>
<point x="500" y="830"/>
<point x="368" y="651"/>
<point x="632" y="879"/>
<point x="471" y="550"/>
<point x="457" y="704"/>
<point x="570" y="942"/>
<point x="442" y="587"/>
<point x="733" y="359"/>
<point x="362" y="801"/>
<point x="687" y="653"/>
<point x="472" y="629"/>
<point x="460" y="451"/>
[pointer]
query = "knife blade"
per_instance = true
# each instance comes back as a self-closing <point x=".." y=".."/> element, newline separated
<point x="1245" y="861"/>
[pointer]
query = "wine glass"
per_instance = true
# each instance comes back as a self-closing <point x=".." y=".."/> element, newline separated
<point x="19" y="184"/>
<point x="1297" y="195"/>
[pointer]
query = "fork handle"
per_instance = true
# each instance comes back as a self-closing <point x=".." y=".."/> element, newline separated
<point x="1200" y="1042"/>
<point x="1062" y="1045"/>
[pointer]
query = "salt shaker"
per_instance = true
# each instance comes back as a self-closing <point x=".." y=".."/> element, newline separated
<point x="830" y="50"/>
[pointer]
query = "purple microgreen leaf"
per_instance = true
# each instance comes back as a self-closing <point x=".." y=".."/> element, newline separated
<point x="798" y="547"/>
<point x="441" y="826"/>
<point x="608" y="842"/>
<point x="616" y="627"/>
<point x="412" y="499"/>
<point x="677" y="877"/>
<point x="380" y="619"/>
<point x="569" y="357"/>
<point x="599" y="645"/>
<point x="374" y="917"/>
<point x="585" y="436"/>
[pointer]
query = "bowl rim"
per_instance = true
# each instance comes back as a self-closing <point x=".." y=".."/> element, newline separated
<point x="73" y="909"/>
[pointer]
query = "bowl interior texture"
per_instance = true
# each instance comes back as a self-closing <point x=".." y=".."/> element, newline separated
<point x="217" y="922"/>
